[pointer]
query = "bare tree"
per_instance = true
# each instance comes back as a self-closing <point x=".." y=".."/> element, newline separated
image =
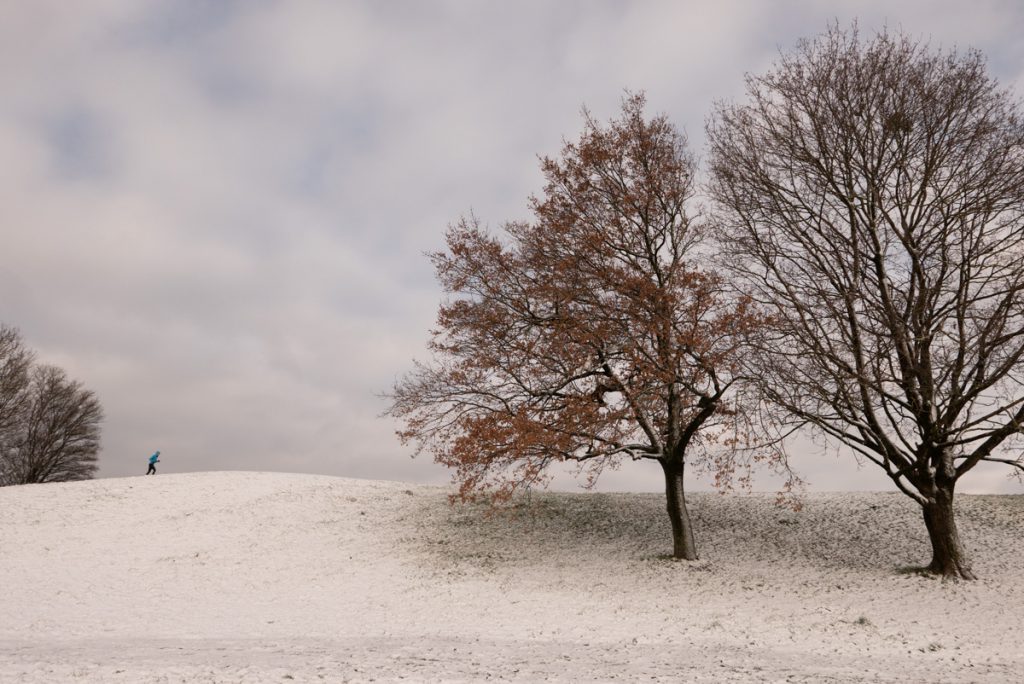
<point x="873" y="193"/>
<point x="589" y="335"/>
<point x="15" y="362"/>
<point x="49" y="424"/>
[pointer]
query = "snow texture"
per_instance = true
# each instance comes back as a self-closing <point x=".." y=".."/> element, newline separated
<point x="258" y="577"/>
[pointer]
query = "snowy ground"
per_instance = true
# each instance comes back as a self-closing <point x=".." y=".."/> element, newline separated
<point x="239" y="577"/>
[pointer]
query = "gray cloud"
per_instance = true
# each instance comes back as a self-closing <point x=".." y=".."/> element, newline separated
<point x="214" y="214"/>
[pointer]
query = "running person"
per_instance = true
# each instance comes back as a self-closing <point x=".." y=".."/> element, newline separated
<point x="153" y="460"/>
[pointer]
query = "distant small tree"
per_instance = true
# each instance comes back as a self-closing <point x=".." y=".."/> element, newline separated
<point x="49" y="424"/>
<point x="15" y="362"/>
<point x="589" y="335"/>
<point x="873" y="196"/>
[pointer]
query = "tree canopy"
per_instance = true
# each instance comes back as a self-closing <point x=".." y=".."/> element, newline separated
<point x="872" y="199"/>
<point x="589" y="334"/>
<point x="49" y="423"/>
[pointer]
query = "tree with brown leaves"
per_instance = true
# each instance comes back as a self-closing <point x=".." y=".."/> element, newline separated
<point x="873" y="193"/>
<point x="588" y="335"/>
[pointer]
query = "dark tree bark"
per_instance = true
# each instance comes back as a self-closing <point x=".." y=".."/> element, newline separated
<point x="683" y="544"/>
<point x="936" y="484"/>
<point x="948" y="556"/>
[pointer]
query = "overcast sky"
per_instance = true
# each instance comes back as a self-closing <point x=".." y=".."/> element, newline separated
<point x="214" y="213"/>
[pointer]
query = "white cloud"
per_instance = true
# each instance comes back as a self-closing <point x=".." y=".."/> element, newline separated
<point x="214" y="215"/>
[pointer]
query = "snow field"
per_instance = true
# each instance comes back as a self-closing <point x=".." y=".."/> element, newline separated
<point x="225" y="577"/>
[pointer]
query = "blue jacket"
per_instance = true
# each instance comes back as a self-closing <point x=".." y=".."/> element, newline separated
<point x="155" y="457"/>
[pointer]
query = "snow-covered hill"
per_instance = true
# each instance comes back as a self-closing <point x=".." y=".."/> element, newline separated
<point x="222" y="577"/>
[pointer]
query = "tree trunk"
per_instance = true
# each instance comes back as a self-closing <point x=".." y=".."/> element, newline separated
<point x="948" y="556"/>
<point x="683" y="545"/>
